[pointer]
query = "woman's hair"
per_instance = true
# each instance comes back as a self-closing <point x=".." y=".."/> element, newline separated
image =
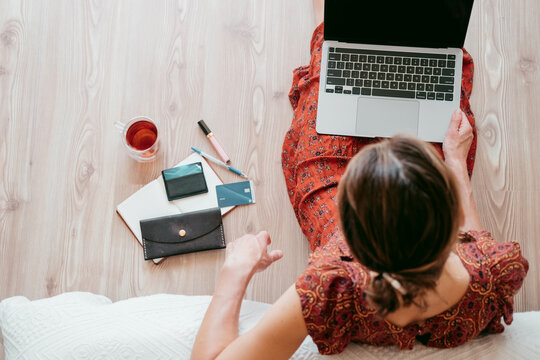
<point x="400" y="214"/>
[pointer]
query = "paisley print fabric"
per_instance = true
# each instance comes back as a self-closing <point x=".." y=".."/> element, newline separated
<point x="331" y="289"/>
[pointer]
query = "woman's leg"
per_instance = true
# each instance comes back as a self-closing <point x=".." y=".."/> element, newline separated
<point x="313" y="164"/>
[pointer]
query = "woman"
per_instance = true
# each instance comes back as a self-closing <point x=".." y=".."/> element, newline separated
<point x="392" y="263"/>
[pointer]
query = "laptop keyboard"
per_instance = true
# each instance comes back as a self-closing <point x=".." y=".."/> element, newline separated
<point x="391" y="74"/>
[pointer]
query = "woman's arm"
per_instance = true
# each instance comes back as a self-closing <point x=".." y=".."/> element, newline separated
<point x="279" y="333"/>
<point x="456" y="146"/>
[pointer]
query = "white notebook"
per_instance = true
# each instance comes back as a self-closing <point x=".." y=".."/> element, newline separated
<point x="151" y="200"/>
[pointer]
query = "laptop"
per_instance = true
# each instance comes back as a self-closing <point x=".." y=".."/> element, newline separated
<point x="391" y="67"/>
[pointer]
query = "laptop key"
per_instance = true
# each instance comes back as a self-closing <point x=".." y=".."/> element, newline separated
<point x="440" y="96"/>
<point x="424" y="62"/>
<point x="446" y="80"/>
<point x="364" y="75"/>
<point x="451" y="64"/>
<point x="358" y="83"/>
<point x="407" y="77"/>
<point x="363" y="58"/>
<point x="350" y="82"/>
<point x="376" y="84"/>
<point x="346" y="73"/>
<point x="331" y="49"/>
<point x="416" y="78"/>
<point x="331" y="64"/>
<point x="354" y="57"/>
<point x="434" y="80"/>
<point x="451" y="57"/>
<point x="366" y="67"/>
<point x="401" y="69"/>
<point x="334" y="56"/>
<point x="419" y="70"/>
<point x="406" y="61"/>
<point x="437" y="71"/>
<point x="394" y="85"/>
<point x="357" y="66"/>
<point x="410" y="69"/>
<point x="389" y="76"/>
<point x="349" y="65"/>
<point x="347" y="91"/>
<point x="449" y="97"/>
<point x="341" y="65"/>
<point x="367" y="83"/>
<point x="384" y="68"/>
<point x="371" y="59"/>
<point x="402" y="86"/>
<point x="433" y="63"/>
<point x="372" y="75"/>
<point x="393" y="93"/>
<point x="388" y="60"/>
<point x="335" y="81"/>
<point x="429" y="87"/>
<point x="411" y="86"/>
<point x="356" y="91"/>
<point x="444" y="88"/>
<point x="399" y="77"/>
<point x="431" y="96"/>
<point x="366" y="91"/>
<point x="425" y="79"/>
<point x="334" y="73"/>
<point x="428" y="71"/>
<point x="448" y="72"/>
<point x="338" y="89"/>
<point x="380" y="59"/>
<point x="420" y="87"/>
<point x="375" y="67"/>
<point x="345" y="57"/>
<point x="392" y="68"/>
<point x="421" y="95"/>
<point x="416" y="61"/>
<point x="385" y="84"/>
<point x="398" y="61"/>
<point x="441" y="63"/>
<point x="355" y="74"/>
<point x="381" y="76"/>
<point x="329" y="90"/>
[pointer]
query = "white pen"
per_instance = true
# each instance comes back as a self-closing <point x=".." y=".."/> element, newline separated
<point x="219" y="162"/>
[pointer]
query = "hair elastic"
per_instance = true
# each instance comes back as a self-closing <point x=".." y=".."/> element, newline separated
<point x="395" y="284"/>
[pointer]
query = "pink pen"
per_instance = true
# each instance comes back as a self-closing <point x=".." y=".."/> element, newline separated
<point x="212" y="138"/>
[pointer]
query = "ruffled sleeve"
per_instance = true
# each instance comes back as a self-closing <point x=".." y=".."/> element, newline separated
<point x="508" y="270"/>
<point x="328" y="295"/>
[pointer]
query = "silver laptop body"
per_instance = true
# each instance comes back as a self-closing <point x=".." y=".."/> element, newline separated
<point x="414" y="90"/>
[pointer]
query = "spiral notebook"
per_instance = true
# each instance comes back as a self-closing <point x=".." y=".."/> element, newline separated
<point x="151" y="200"/>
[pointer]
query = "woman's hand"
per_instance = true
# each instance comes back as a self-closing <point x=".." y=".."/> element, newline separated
<point x="250" y="253"/>
<point x="458" y="139"/>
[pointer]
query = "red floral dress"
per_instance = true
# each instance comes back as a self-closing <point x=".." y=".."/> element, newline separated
<point x="331" y="289"/>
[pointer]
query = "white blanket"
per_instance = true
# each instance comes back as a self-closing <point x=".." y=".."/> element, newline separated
<point x="86" y="326"/>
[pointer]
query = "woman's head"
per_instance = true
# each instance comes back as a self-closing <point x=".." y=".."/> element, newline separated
<point x="400" y="213"/>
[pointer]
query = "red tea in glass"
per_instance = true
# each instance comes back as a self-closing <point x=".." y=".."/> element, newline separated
<point x="140" y="137"/>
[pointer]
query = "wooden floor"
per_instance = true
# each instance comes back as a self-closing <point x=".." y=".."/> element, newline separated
<point x="68" y="71"/>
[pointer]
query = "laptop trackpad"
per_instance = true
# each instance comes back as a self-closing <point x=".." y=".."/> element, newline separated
<point x="386" y="118"/>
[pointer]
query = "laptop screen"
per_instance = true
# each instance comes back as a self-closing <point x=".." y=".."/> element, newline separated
<point x="421" y="23"/>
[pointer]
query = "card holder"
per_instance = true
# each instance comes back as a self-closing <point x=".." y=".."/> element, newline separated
<point x="182" y="234"/>
<point x="184" y="181"/>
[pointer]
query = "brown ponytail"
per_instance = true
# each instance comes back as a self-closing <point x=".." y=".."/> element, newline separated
<point x="399" y="213"/>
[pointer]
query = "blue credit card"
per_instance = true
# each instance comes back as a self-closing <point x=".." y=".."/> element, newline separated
<point x="240" y="193"/>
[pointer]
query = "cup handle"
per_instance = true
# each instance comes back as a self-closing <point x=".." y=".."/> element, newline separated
<point x="119" y="126"/>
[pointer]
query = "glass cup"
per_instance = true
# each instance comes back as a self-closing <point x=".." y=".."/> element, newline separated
<point x="140" y="137"/>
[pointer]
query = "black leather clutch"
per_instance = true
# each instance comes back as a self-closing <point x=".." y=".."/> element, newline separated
<point x="182" y="234"/>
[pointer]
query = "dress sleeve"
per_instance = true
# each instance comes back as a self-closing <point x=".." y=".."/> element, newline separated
<point x="508" y="269"/>
<point x="327" y="299"/>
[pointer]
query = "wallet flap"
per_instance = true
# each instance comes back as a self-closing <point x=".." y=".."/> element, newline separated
<point x="174" y="229"/>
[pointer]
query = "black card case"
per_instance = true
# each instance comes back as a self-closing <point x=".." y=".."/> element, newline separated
<point x="182" y="234"/>
<point x="183" y="181"/>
